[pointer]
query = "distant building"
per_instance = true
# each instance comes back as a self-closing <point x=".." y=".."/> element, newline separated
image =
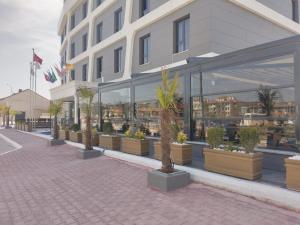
<point x="20" y="102"/>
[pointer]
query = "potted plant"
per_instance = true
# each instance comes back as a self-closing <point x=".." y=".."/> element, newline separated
<point x="86" y="95"/>
<point x="75" y="134"/>
<point x="55" y="109"/>
<point x="167" y="178"/>
<point x="64" y="133"/>
<point x="292" y="178"/>
<point x="95" y="137"/>
<point x="181" y="152"/>
<point x="135" y="143"/>
<point x="108" y="140"/>
<point x="237" y="161"/>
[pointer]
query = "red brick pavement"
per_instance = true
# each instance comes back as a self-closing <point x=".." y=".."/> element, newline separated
<point x="41" y="185"/>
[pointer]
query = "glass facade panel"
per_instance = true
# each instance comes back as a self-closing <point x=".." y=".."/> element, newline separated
<point x="116" y="108"/>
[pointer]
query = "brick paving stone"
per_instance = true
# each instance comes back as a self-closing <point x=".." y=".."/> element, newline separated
<point x="49" y="185"/>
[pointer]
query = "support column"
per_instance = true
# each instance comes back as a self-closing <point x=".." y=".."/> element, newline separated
<point x="297" y="92"/>
<point x="76" y="107"/>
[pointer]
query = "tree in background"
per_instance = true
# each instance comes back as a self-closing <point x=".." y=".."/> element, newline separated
<point x="267" y="98"/>
<point x="55" y="109"/>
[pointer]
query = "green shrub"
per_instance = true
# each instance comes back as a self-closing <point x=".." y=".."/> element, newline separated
<point x="249" y="137"/>
<point x="181" y="137"/>
<point x="108" y="128"/>
<point x="129" y="134"/>
<point x="139" y="135"/>
<point x="215" y="136"/>
<point x="75" y="127"/>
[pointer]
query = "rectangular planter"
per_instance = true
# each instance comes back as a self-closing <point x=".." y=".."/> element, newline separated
<point x="292" y="174"/>
<point x="135" y="146"/>
<point x="28" y="128"/>
<point x="63" y="134"/>
<point x="75" y="136"/>
<point x="110" y="142"/>
<point x="247" y="166"/>
<point x="180" y="154"/>
<point x="95" y="139"/>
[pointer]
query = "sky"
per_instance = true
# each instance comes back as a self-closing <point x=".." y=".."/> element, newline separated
<point x="27" y="24"/>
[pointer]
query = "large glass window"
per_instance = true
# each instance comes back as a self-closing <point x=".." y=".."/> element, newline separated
<point x="118" y="60"/>
<point x="144" y="49"/>
<point x="84" y="42"/>
<point x="182" y="34"/>
<point x="116" y="108"/>
<point x="259" y="94"/>
<point x="146" y="108"/>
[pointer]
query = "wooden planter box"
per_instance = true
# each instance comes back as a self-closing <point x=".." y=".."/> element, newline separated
<point x="75" y="136"/>
<point x="28" y="128"/>
<point x="247" y="166"/>
<point x="135" y="146"/>
<point x="110" y="142"/>
<point x="180" y="154"/>
<point x="63" y="134"/>
<point x="95" y="139"/>
<point x="292" y="174"/>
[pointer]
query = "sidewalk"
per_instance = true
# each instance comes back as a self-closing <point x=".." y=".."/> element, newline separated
<point x="43" y="185"/>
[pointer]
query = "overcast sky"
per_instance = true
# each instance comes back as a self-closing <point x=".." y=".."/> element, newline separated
<point x="27" y="24"/>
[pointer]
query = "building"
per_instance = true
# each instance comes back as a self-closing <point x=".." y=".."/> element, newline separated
<point x="27" y="103"/>
<point x="110" y="40"/>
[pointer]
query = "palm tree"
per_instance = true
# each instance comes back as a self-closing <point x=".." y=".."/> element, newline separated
<point x="55" y="109"/>
<point x="267" y="98"/>
<point x="166" y="98"/>
<point x="2" y="114"/>
<point x="87" y="95"/>
<point x="5" y="111"/>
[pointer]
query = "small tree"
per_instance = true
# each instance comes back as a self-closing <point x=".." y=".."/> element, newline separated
<point x="215" y="136"/>
<point x="87" y="95"/>
<point x="267" y="97"/>
<point x="166" y="97"/>
<point x="54" y="110"/>
<point x="249" y="137"/>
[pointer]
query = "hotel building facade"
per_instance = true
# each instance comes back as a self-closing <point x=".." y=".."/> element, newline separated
<point x="118" y="48"/>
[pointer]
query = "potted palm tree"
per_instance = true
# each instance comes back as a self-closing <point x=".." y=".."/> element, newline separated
<point x="75" y="134"/>
<point x="108" y="139"/>
<point x="64" y="133"/>
<point x="167" y="178"/>
<point x="86" y="95"/>
<point x="135" y="143"/>
<point x="95" y="137"/>
<point x="54" y="110"/>
<point x="238" y="161"/>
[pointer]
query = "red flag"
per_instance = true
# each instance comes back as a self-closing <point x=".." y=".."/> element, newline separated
<point x="46" y="77"/>
<point x="37" y="59"/>
<point x="59" y="72"/>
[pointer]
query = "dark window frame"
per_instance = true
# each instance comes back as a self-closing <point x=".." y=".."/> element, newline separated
<point x="73" y="50"/>
<point x="295" y="10"/>
<point x="99" y="67"/>
<point x="118" y="20"/>
<point x="72" y="22"/>
<point x="84" y="10"/>
<point x="84" y="72"/>
<point x="142" y="49"/>
<point x="84" y="42"/>
<point x="143" y="9"/>
<point x="176" y="34"/>
<point x="99" y="32"/>
<point x="118" y="60"/>
<point x="98" y="2"/>
<point x="72" y="74"/>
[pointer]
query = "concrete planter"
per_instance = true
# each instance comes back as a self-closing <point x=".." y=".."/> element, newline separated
<point x="135" y="146"/>
<point x="247" y="166"/>
<point x="88" y="154"/>
<point x="75" y="136"/>
<point x="95" y="139"/>
<point x="167" y="182"/>
<point x="54" y="142"/>
<point x="110" y="142"/>
<point x="292" y="174"/>
<point x="63" y="134"/>
<point x="28" y="127"/>
<point x="180" y="154"/>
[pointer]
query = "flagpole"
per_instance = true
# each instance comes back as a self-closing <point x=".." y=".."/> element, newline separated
<point x="34" y="85"/>
<point x="30" y="113"/>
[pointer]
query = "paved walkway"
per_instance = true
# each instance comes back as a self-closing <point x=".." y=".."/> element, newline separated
<point x="5" y="146"/>
<point x="40" y="185"/>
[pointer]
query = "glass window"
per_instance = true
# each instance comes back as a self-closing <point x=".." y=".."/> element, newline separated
<point x="72" y="21"/>
<point x="146" y="108"/>
<point x="118" y="60"/>
<point x="98" y="2"/>
<point x="84" y="10"/>
<point x="259" y="94"/>
<point x="295" y="10"/>
<point x="84" y="72"/>
<point x="144" y="49"/>
<point x="99" y="33"/>
<point x="116" y="108"/>
<point x="72" y="50"/>
<point x="118" y="20"/>
<point x="72" y="74"/>
<point x="99" y="67"/>
<point x="144" y="7"/>
<point x="182" y="35"/>
<point x="84" y="42"/>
